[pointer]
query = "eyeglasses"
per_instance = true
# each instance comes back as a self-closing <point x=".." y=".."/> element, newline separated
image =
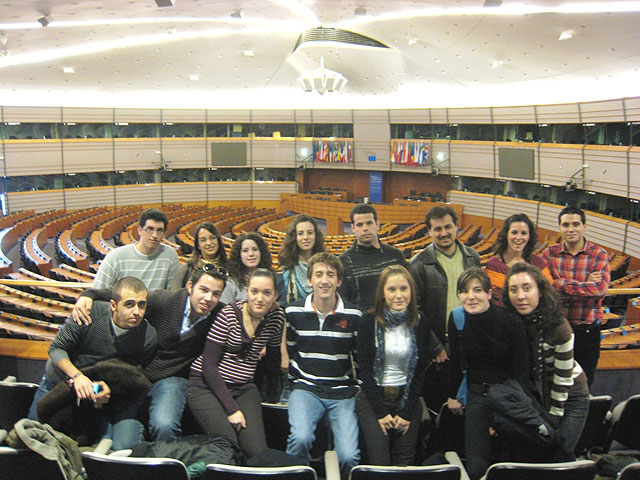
<point x="151" y="230"/>
<point x="212" y="269"/>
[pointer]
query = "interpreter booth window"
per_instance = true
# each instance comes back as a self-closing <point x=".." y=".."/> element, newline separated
<point x="85" y="130"/>
<point x="31" y="183"/>
<point x="220" y="174"/>
<point x="304" y="130"/>
<point x="183" y="175"/>
<point x="274" y="174"/>
<point x="86" y="180"/>
<point x="182" y="130"/>
<point x="607" y="133"/>
<point x="135" y="130"/>
<point x="339" y="130"/>
<point x="517" y="133"/>
<point x="274" y="130"/>
<point x="29" y="131"/>
<point x="135" y="177"/>
<point x="410" y="131"/>
<point x="635" y="133"/>
<point x="441" y="131"/>
<point x="562" y="133"/>
<point x="482" y="132"/>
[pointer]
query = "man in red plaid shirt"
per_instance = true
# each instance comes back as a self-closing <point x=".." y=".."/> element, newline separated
<point x="581" y="274"/>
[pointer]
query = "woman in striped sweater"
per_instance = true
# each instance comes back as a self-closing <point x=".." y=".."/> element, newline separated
<point x="221" y="393"/>
<point x="557" y="377"/>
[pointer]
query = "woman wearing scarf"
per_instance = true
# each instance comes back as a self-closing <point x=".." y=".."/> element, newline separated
<point x="393" y="350"/>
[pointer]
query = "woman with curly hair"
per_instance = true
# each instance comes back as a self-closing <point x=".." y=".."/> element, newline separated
<point x="556" y="377"/>
<point x="516" y="242"/>
<point x="249" y="252"/>
<point x="303" y="239"/>
<point x="208" y="249"/>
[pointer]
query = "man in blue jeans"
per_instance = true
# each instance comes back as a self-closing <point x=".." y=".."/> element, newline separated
<point x="182" y="318"/>
<point x="118" y="330"/>
<point x="321" y="334"/>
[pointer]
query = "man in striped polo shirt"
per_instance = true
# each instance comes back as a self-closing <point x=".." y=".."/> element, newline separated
<point x="321" y="334"/>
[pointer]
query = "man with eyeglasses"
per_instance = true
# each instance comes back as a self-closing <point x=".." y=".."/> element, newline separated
<point x="182" y="319"/>
<point x="148" y="259"/>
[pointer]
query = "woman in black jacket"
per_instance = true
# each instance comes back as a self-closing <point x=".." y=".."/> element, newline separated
<point x="393" y="349"/>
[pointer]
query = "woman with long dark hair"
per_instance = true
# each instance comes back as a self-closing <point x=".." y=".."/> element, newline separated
<point x="556" y="377"/>
<point x="208" y="249"/>
<point x="493" y="349"/>
<point x="221" y="393"/>
<point x="516" y="241"/>
<point x="393" y="350"/>
<point x="302" y="240"/>
<point x="249" y="252"/>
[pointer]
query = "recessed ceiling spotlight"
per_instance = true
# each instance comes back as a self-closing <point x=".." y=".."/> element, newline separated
<point x="413" y="41"/>
<point x="68" y="70"/>
<point x="165" y="3"/>
<point x="194" y="77"/>
<point x="45" y="20"/>
<point x="237" y="14"/>
<point x="566" y="35"/>
<point x="497" y="64"/>
<point x="360" y="11"/>
<point x="248" y="53"/>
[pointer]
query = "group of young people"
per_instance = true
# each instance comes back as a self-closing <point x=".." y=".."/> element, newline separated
<point x="355" y="333"/>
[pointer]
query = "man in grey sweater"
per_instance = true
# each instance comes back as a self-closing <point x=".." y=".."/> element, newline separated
<point x="118" y="330"/>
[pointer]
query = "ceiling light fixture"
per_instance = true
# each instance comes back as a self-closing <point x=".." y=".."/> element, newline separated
<point x="322" y="80"/>
<point x="360" y="11"/>
<point x="45" y="20"/>
<point x="237" y="14"/>
<point x="566" y="35"/>
<point x="248" y="53"/>
<point x="68" y="70"/>
<point x="165" y="3"/>
<point x="497" y="64"/>
<point x="194" y="77"/>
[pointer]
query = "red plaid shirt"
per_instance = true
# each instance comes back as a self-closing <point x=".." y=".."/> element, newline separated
<point x="581" y="299"/>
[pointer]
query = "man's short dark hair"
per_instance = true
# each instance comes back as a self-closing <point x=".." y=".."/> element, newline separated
<point x="363" y="209"/>
<point x="328" y="259"/>
<point x="131" y="283"/>
<point x="438" y="212"/>
<point x="211" y="270"/>
<point x="153" y="214"/>
<point x="572" y="211"/>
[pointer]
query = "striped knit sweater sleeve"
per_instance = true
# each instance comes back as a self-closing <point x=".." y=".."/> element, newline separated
<point x="561" y="369"/>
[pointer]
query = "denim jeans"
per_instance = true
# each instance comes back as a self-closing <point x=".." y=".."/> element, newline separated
<point x="576" y="409"/>
<point x="123" y="427"/>
<point x="306" y="410"/>
<point x="168" y="397"/>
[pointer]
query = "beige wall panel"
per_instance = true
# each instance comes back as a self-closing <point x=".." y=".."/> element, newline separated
<point x="272" y="116"/>
<point x="370" y="117"/>
<point x="136" y="154"/>
<point x="335" y="166"/>
<point x="138" y="194"/>
<point x="605" y="231"/>
<point x="514" y="114"/>
<point x="474" y="204"/>
<point x="303" y="116"/>
<point x="184" y="192"/>
<point x="332" y="116"/>
<point x="378" y="131"/>
<point x="272" y="190"/>
<point x="558" y="164"/>
<point x="395" y="167"/>
<point x="33" y="157"/>
<point x="606" y="111"/>
<point x="274" y="153"/>
<point x="31" y="114"/>
<point x="507" y="206"/>
<point x="184" y="153"/>
<point x="409" y="115"/>
<point x="39" y="201"/>
<point x="563" y="113"/>
<point x="87" y="156"/>
<point x="87" y="115"/>
<point x="138" y="115"/>
<point x="379" y="148"/>
<point x="89" y="197"/>
<point x="548" y="216"/>
<point x="228" y="116"/>
<point x="474" y="160"/>
<point x="633" y="240"/>
<point x="632" y="109"/>
<point x="227" y="191"/>
<point x="470" y="115"/>
<point x="439" y="115"/>
<point x="183" y="115"/>
<point x="607" y="172"/>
